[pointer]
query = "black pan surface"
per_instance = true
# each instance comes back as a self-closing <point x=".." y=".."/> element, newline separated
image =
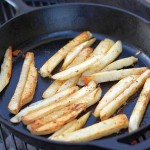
<point x="44" y="31"/>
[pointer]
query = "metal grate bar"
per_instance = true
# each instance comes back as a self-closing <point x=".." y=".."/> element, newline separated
<point x="4" y="12"/>
<point x="14" y="141"/>
<point x="12" y="11"/>
<point x="2" y="137"/>
<point x="25" y="146"/>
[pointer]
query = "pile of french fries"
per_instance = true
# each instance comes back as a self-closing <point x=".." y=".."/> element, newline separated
<point x="75" y="89"/>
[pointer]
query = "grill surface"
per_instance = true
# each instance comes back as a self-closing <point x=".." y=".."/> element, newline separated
<point x="9" y="141"/>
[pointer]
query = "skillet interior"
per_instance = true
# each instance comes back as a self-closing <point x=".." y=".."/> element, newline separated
<point x="46" y="30"/>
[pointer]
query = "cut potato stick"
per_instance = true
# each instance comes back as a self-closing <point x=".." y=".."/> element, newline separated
<point x="41" y="104"/>
<point x="76" y="70"/>
<point x="103" y="47"/>
<point x="60" y="122"/>
<point x="68" y="83"/>
<point x="91" y="98"/>
<point x="52" y="89"/>
<point x="106" y="56"/>
<point x="78" y="124"/>
<point x="72" y="126"/>
<point x="32" y="116"/>
<point x="14" y="102"/>
<point x="50" y="64"/>
<point x="111" y="108"/>
<point x="52" y="116"/>
<point x="111" y="55"/>
<point x="96" y="131"/>
<point x="113" y="92"/>
<point x="113" y="75"/>
<point x="6" y="69"/>
<point x="140" y="107"/>
<point x="63" y="129"/>
<point x="121" y="63"/>
<point x="73" y="53"/>
<point x="81" y="57"/>
<point x="30" y="85"/>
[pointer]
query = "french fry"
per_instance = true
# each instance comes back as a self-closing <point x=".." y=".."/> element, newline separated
<point x="41" y="104"/>
<point x="64" y="128"/>
<point x="103" y="47"/>
<point x="121" y="63"/>
<point x="78" y="124"/>
<point x="113" y="92"/>
<point x="6" y="69"/>
<point x="13" y="105"/>
<point x="76" y="70"/>
<point x="52" y="116"/>
<point x="68" y="83"/>
<point x="72" y="126"/>
<point x="110" y="109"/>
<point x="91" y="98"/>
<point x="111" y="55"/>
<point x="32" y="116"/>
<point x="74" y="52"/>
<point x="83" y="55"/>
<point x="96" y="131"/>
<point x="113" y="75"/>
<point x="30" y="85"/>
<point x="52" y="89"/>
<point x="60" y="122"/>
<point x="105" y="58"/>
<point x="140" y="107"/>
<point x="50" y="64"/>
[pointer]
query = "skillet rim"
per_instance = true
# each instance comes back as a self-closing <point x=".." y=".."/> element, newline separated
<point x="43" y="139"/>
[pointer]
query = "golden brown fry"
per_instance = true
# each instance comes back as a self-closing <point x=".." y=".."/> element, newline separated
<point x="78" y="124"/>
<point x="50" y="64"/>
<point x="52" y="89"/>
<point x="113" y="75"/>
<point x="91" y="98"/>
<point x="83" y="55"/>
<point x="75" y="52"/>
<point x="96" y="131"/>
<point x="107" y="111"/>
<point x="121" y="63"/>
<point x="140" y="107"/>
<point x="68" y="83"/>
<point x="14" y="102"/>
<point x="41" y="104"/>
<point x="76" y="70"/>
<point x="30" y="85"/>
<point x="52" y="116"/>
<point x="32" y="116"/>
<point x="64" y="128"/>
<point x="103" y="47"/>
<point x="6" y="69"/>
<point x="111" y="55"/>
<point x="60" y="122"/>
<point x="113" y="92"/>
<point x="72" y="126"/>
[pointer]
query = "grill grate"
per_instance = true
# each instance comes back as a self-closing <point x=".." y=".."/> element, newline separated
<point x="6" y="13"/>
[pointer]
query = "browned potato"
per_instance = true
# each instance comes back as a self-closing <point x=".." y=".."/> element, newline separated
<point x="60" y="122"/>
<point x="14" y="104"/>
<point x="109" y="109"/>
<point x="6" y="69"/>
<point x="30" y="86"/>
<point x="50" y="64"/>
<point x="96" y="131"/>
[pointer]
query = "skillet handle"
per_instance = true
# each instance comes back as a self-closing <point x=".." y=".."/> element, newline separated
<point x="19" y="6"/>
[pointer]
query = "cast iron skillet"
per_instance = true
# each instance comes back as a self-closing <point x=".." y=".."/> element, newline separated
<point x="45" y="30"/>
